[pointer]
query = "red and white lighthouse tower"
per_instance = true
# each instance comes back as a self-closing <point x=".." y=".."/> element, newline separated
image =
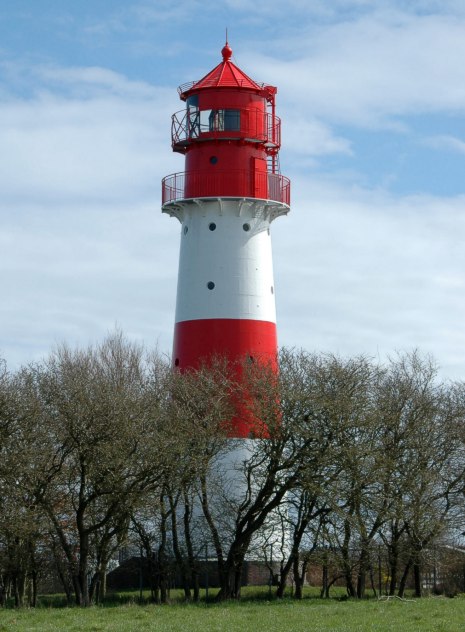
<point x="227" y="197"/>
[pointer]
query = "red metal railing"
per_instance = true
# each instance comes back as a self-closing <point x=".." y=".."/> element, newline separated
<point x="233" y="183"/>
<point x="255" y="125"/>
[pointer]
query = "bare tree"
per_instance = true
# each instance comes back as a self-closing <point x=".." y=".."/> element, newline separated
<point x="102" y="431"/>
<point x="419" y="416"/>
<point x="201" y="407"/>
<point x="334" y="396"/>
<point x="291" y="448"/>
<point x="21" y="521"/>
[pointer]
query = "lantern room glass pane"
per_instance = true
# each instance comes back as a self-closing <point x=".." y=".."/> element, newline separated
<point x="232" y="120"/>
<point x="193" y="116"/>
<point x="220" y="120"/>
<point x="216" y="121"/>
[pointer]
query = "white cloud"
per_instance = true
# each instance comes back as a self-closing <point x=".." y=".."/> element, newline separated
<point x="74" y="273"/>
<point x="363" y="271"/>
<point x="310" y="137"/>
<point x="83" y="244"/>
<point x="92" y="81"/>
<point x="445" y="142"/>
<point x="108" y="140"/>
<point x="371" y="70"/>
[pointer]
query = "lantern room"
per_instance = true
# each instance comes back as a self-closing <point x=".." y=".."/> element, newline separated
<point x="230" y="137"/>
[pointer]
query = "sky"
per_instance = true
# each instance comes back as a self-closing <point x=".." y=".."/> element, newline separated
<point x="371" y="94"/>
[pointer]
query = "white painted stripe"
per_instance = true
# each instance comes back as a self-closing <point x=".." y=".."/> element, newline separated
<point x="237" y="261"/>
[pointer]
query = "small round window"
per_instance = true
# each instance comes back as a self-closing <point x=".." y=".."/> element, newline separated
<point x="176" y="362"/>
<point x="185" y="230"/>
<point x="246" y="227"/>
<point x="213" y="160"/>
<point x="210" y="285"/>
<point x="212" y="226"/>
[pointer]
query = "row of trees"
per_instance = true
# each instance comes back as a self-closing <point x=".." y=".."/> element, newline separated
<point x="107" y="446"/>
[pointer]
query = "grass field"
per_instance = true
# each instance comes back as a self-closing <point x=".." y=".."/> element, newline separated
<point x="312" y="615"/>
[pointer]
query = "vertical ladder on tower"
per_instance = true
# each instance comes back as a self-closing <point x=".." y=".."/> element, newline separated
<point x="272" y="162"/>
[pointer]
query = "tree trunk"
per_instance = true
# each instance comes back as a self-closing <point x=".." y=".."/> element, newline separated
<point x="155" y="580"/>
<point x="98" y="584"/>
<point x="346" y="561"/>
<point x="77" y="589"/>
<point x="180" y="560"/>
<point x="94" y="587"/>
<point x="363" y="566"/>
<point x="285" y="569"/>
<point x="403" y="579"/>
<point x="192" y="562"/>
<point x="34" y="589"/>
<point x="19" y="586"/>
<point x="372" y="581"/>
<point x="417" y="578"/>
<point x="229" y="584"/>
<point x="224" y="568"/>
<point x="163" y="588"/>
<point x="297" y="578"/>
<point x="162" y="558"/>
<point x="393" y="567"/>
<point x="324" y="581"/>
<point x="83" y="568"/>
<point x="196" y="586"/>
<point x="281" y="586"/>
<point x="394" y="553"/>
<point x="102" y="585"/>
<point x="238" y="581"/>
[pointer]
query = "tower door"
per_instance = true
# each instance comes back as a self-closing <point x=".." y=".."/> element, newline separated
<point x="260" y="184"/>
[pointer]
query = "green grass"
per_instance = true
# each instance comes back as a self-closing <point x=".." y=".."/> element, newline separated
<point x="250" y="615"/>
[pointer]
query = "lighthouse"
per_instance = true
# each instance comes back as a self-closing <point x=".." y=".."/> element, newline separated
<point x="226" y="199"/>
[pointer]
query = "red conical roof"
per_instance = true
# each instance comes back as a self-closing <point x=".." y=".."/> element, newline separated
<point x="225" y="75"/>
